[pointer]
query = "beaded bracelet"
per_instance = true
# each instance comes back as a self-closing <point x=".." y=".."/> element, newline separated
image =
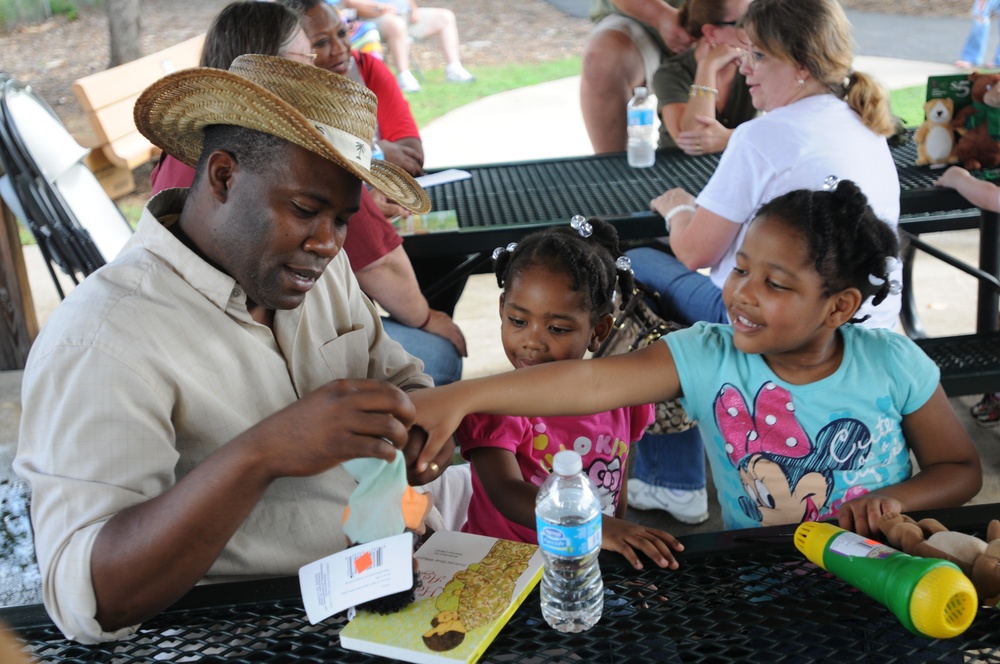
<point x="426" y="320"/>
<point x="702" y="91"/>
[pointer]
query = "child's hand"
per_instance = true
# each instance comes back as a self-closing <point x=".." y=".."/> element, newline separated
<point x="625" y="537"/>
<point x="438" y="417"/>
<point x="862" y="514"/>
<point x="953" y="177"/>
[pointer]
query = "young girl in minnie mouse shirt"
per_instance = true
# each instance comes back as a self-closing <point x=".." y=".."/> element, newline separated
<point x="804" y="415"/>
<point x="558" y="296"/>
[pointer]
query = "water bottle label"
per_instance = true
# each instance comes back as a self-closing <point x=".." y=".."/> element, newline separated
<point x="569" y="541"/>
<point x="852" y="544"/>
<point x="640" y="116"/>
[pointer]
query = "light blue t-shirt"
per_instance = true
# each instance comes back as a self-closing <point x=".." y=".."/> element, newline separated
<point x="783" y="453"/>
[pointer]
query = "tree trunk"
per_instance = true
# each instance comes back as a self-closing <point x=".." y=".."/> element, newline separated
<point x="123" y="24"/>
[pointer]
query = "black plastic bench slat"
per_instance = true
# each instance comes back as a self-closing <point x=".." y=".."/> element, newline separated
<point x="970" y="364"/>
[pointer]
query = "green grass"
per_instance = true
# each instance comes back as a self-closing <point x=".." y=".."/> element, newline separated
<point x="438" y="98"/>
<point x="908" y="104"/>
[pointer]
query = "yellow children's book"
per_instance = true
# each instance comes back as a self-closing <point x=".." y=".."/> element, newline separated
<point x="470" y="586"/>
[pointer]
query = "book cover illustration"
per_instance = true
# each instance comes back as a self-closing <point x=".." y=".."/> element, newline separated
<point x="470" y="587"/>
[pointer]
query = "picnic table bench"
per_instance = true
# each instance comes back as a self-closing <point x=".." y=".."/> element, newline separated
<point x="107" y="98"/>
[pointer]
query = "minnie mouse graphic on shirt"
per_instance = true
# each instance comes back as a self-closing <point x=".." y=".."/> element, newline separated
<point x="787" y="477"/>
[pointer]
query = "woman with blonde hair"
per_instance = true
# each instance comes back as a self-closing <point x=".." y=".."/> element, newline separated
<point x="821" y="119"/>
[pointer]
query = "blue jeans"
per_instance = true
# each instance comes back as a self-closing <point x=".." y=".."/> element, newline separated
<point x="441" y="359"/>
<point x="675" y="460"/>
<point x="974" y="50"/>
<point x="688" y="296"/>
<point x="671" y="460"/>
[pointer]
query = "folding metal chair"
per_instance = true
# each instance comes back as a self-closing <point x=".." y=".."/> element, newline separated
<point x="64" y="206"/>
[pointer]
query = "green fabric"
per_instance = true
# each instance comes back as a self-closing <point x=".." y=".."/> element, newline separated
<point x="989" y="115"/>
<point x="375" y="505"/>
<point x="672" y="82"/>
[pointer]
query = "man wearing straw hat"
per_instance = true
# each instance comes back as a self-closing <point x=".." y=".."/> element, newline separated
<point x="187" y="408"/>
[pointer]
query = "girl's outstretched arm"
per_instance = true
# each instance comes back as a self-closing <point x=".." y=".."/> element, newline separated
<point x="567" y="387"/>
<point x="950" y="472"/>
<point x="514" y="498"/>
<point x="981" y="193"/>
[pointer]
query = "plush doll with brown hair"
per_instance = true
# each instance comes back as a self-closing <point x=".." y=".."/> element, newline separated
<point x="979" y="124"/>
<point x="928" y="538"/>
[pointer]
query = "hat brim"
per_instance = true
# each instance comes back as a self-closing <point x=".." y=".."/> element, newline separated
<point x="174" y="111"/>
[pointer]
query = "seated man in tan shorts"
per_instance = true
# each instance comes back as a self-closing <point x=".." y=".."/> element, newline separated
<point x="623" y="52"/>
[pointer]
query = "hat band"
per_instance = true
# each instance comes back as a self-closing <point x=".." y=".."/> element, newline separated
<point x="351" y="147"/>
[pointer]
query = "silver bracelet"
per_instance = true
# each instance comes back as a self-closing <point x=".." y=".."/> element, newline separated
<point x="673" y="212"/>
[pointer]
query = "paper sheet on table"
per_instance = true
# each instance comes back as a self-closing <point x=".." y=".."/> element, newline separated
<point x="443" y="177"/>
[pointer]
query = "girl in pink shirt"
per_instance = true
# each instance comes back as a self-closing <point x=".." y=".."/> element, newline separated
<point x="559" y="292"/>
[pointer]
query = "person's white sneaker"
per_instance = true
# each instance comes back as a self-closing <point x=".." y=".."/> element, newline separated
<point x="457" y="74"/>
<point x="689" y="507"/>
<point x="408" y="82"/>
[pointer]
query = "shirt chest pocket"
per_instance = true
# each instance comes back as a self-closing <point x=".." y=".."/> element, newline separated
<point x="345" y="357"/>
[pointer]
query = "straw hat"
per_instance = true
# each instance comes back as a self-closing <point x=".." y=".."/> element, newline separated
<point x="303" y="104"/>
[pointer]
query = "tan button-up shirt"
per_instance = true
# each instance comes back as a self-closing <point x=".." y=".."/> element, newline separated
<point x="152" y="364"/>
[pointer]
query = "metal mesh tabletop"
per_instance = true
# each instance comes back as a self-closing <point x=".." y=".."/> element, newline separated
<point x="501" y="202"/>
<point x="738" y="596"/>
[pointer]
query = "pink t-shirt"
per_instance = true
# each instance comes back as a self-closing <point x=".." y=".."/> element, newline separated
<point x="602" y="441"/>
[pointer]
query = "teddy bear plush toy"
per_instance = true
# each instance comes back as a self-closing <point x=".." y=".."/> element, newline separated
<point x="979" y="124"/>
<point x="928" y="538"/>
<point x="936" y="138"/>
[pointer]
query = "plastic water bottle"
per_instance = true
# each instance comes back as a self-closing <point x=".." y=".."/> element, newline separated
<point x="568" y="517"/>
<point x="641" y="133"/>
<point x="931" y="597"/>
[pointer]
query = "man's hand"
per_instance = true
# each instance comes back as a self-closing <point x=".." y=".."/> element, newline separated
<point x="674" y="36"/>
<point x="439" y="419"/>
<point x="414" y="446"/>
<point x="344" y="419"/>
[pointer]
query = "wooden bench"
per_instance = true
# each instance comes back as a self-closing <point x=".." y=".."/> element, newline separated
<point x="107" y="98"/>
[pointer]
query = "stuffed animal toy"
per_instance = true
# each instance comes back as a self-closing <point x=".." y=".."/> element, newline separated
<point x="928" y="538"/>
<point x="979" y="124"/>
<point x="936" y="137"/>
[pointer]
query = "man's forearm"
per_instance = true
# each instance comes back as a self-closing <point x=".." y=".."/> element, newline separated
<point x="649" y="12"/>
<point x="149" y="555"/>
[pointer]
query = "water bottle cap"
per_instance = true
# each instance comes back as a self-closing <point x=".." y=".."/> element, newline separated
<point x="943" y="603"/>
<point x="567" y="462"/>
<point x="641" y="91"/>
